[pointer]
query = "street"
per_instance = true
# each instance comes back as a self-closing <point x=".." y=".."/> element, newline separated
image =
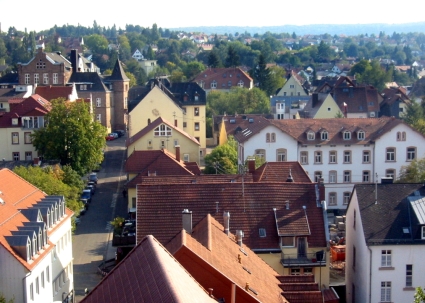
<point x="94" y="233"/>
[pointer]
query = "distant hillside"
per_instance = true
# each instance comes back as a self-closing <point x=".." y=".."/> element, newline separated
<point x="314" y="29"/>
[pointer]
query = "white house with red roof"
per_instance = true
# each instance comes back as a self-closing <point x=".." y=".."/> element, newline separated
<point x="35" y="243"/>
<point x="341" y="151"/>
<point x="223" y="79"/>
<point x="17" y="126"/>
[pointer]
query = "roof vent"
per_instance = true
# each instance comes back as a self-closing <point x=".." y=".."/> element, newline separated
<point x="239" y="236"/>
<point x="232" y="121"/>
<point x="226" y="219"/>
<point x="290" y="179"/>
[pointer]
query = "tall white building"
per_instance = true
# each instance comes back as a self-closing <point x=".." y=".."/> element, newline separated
<point x="36" y="243"/>
<point x="343" y="151"/>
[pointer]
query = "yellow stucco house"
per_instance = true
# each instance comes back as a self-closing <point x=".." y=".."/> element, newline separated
<point x="161" y="134"/>
<point x="293" y="86"/>
<point x="183" y="104"/>
<point x="321" y="106"/>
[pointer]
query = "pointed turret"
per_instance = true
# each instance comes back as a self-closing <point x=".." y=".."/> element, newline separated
<point x="118" y="73"/>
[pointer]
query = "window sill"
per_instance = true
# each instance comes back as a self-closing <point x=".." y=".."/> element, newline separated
<point x="386" y="268"/>
<point x="409" y="288"/>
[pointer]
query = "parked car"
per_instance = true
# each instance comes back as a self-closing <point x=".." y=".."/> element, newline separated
<point x="110" y="137"/>
<point x="115" y="135"/>
<point x="120" y="132"/>
<point x="93" y="177"/>
<point x="86" y="195"/>
<point x="92" y="183"/>
<point x="91" y="188"/>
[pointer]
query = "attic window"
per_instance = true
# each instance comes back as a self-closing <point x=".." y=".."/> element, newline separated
<point x="324" y="135"/>
<point x="262" y="232"/>
<point x="310" y="135"/>
<point x="232" y="121"/>
<point x="361" y="135"/>
<point x="347" y="135"/>
<point x="251" y="120"/>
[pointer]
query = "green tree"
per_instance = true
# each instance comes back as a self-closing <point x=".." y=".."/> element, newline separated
<point x="238" y="100"/>
<point x="371" y="73"/>
<point x="97" y="44"/>
<point x="419" y="295"/>
<point x="51" y="181"/>
<point x="414" y="172"/>
<point x="277" y="78"/>
<point x="213" y="59"/>
<point x="223" y="159"/>
<point x="232" y="59"/>
<point x="71" y="136"/>
<point x="193" y="68"/>
<point x="324" y="53"/>
<point x="133" y="80"/>
<point x="261" y="75"/>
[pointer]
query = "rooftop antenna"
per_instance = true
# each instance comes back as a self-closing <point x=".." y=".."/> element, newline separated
<point x="376" y="189"/>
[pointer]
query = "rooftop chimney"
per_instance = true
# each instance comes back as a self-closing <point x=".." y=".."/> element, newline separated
<point x="226" y="219"/>
<point x="177" y="153"/>
<point x="187" y="220"/>
<point x="321" y="190"/>
<point x="239" y="236"/>
<point x="74" y="60"/>
<point x="315" y="99"/>
<point x="290" y="179"/>
<point x="251" y="165"/>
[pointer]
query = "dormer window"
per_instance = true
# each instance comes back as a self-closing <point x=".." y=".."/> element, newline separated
<point x="311" y="135"/>
<point x="347" y="135"/>
<point x="324" y="135"/>
<point x="214" y="84"/>
<point x="361" y="135"/>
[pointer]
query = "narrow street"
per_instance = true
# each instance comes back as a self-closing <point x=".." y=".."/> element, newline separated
<point x="94" y="233"/>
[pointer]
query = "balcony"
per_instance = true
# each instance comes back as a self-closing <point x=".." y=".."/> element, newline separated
<point x="126" y="235"/>
<point x="315" y="259"/>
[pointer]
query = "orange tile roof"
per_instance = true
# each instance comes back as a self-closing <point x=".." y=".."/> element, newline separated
<point x="212" y="258"/>
<point x="149" y="273"/>
<point x="16" y="194"/>
<point x="279" y="172"/>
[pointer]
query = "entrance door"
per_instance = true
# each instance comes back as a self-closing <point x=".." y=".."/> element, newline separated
<point x="301" y="248"/>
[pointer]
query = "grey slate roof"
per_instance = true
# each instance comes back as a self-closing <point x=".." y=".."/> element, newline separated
<point x="383" y="222"/>
<point x="118" y="73"/>
<point x="92" y="79"/>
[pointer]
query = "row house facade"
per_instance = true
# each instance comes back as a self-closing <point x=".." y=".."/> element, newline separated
<point x="36" y="243"/>
<point x="342" y="151"/>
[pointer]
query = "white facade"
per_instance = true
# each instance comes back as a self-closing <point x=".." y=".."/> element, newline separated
<point x="368" y="273"/>
<point x="343" y="165"/>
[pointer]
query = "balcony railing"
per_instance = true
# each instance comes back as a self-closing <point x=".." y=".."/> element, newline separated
<point x="315" y="259"/>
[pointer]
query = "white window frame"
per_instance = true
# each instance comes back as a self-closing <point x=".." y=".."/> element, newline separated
<point x="45" y="78"/>
<point x="281" y="155"/>
<point x="366" y="156"/>
<point x="332" y="199"/>
<point x="386" y="291"/>
<point x="409" y="275"/>
<point x="347" y="176"/>
<point x="98" y="102"/>
<point x="386" y="258"/>
<point x="304" y="157"/>
<point x="347" y="156"/>
<point x="36" y="79"/>
<point x="27" y="78"/>
<point x="261" y="153"/>
<point x="333" y="156"/>
<point x="186" y="157"/>
<point x="361" y="135"/>
<point x="347" y="135"/>
<point x="346" y="197"/>
<point x="214" y="84"/>
<point x="162" y="131"/>
<point x="324" y="135"/>
<point x="99" y="118"/>
<point x="390" y="154"/>
<point x="318" y="157"/>
<point x="311" y="135"/>
<point x="410" y="153"/>
<point x="366" y="176"/>
<point x="333" y="176"/>
<point x="55" y="78"/>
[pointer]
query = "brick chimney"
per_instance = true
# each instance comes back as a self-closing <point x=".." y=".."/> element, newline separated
<point x="251" y="166"/>
<point x="177" y="153"/>
<point x="74" y="60"/>
<point x="187" y="220"/>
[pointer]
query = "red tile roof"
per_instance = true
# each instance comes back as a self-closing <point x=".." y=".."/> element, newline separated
<point x="161" y="162"/>
<point x="251" y="205"/>
<point x="212" y="258"/>
<point x="280" y="171"/>
<point x="54" y="92"/>
<point x="222" y="76"/>
<point x="152" y="126"/>
<point x="149" y="273"/>
<point x="17" y="194"/>
<point x="34" y="105"/>
<point x="373" y="128"/>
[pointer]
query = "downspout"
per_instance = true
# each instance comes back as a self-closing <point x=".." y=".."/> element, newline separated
<point x="370" y="275"/>
<point x="23" y="285"/>
<point x="373" y="161"/>
<point x="233" y="293"/>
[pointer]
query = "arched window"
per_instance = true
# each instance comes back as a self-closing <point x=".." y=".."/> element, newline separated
<point x="361" y="135"/>
<point x="324" y="135"/>
<point x="268" y="137"/>
<point x="273" y="137"/>
<point x="403" y="136"/>
<point x="162" y="131"/>
<point x="398" y="136"/>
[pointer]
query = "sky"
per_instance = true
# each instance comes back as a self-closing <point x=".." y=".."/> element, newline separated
<point x="41" y="15"/>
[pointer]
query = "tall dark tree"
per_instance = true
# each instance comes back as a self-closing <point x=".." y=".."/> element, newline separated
<point x="232" y="59"/>
<point x="262" y="76"/>
<point x="213" y="59"/>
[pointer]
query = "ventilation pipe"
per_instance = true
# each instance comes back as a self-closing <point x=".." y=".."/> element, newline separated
<point x="239" y="236"/>
<point x="187" y="220"/>
<point x="226" y="219"/>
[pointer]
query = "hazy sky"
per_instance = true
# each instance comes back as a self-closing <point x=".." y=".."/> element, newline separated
<point x="40" y="15"/>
